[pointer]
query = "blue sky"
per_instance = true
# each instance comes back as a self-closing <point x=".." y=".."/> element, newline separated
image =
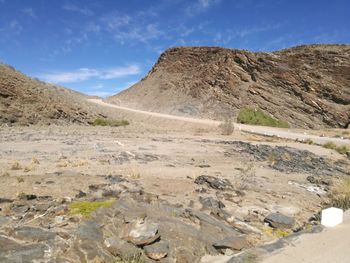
<point x="102" y="47"/>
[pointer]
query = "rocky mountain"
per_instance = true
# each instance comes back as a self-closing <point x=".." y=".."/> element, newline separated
<point x="307" y="86"/>
<point x="24" y="101"/>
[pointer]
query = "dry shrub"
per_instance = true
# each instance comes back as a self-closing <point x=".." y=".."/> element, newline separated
<point x="227" y="127"/>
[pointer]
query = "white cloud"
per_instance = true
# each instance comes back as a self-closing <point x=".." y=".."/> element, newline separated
<point x="200" y="6"/>
<point x="116" y="21"/>
<point x="120" y="72"/>
<point x="83" y="74"/>
<point x="76" y="76"/>
<point x="73" y="8"/>
<point x="29" y="12"/>
<point x="141" y="34"/>
<point x="15" y="27"/>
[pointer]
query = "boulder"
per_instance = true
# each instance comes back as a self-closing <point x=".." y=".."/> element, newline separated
<point x="232" y="242"/>
<point x="211" y="203"/>
<point x="214" y="182"/>
<point x="142" y="232"/>
<point x="157" y="250"/>
<point x="119" y="247"/>
<point x="278" y="220"/>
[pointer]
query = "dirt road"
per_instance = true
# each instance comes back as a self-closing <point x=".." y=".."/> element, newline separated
<point x="329" y="246"/>
<point x="262" y="130"/>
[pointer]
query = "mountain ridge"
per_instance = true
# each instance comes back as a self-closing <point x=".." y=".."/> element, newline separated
<point x="26" y="101"/>
<point x="308" y="86"/>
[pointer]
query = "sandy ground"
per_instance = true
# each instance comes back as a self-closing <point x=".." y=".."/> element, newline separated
<point x="163" y="157"/>
<point x="267" y="131"/>
<point x="329" y="246"/>
<point x="60" y="161"/>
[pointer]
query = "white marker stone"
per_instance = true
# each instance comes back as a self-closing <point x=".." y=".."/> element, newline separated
<point x="331" y="217"/>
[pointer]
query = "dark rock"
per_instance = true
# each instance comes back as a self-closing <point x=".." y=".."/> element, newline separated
<point x="32" y="234"/>
<point x="89" y="230"/>
<point x="28" y="197"/>
<point x="119" y="247"/>
<point x="287" y="159"/>
<point x="42" y="207"/>
<point x="5" y="200"/>
<point x="80" y="194"/>
<point x="214" y="182"/>
<point x="211" y="203"/>
<point x="232" y="242"/>
<point x="278" y="220"/>
<point x="157" y="250"/>
<point x="319" y="181"/>
<point x="13" y="252"/>
<point x="203" y="165"/>
<point x="20" y="208"/>
<point x="4" y="220"/>
<point x="348" y="154"/>
<point x="114" y="179"/>
<point x="110" y="193"/>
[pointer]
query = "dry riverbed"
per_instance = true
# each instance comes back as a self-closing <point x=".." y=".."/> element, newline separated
<point x="172" y="197"/>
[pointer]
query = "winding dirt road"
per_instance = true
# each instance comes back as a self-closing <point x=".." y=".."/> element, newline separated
<point x="261" y="130"/>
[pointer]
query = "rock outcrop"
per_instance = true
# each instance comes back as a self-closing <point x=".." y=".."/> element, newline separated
<point x="25" y="101"/>
<point x="307" y="86"/>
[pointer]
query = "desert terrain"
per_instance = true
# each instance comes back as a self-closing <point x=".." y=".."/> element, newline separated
<point x="141" y="177"/>
<point x="196" y="186"/>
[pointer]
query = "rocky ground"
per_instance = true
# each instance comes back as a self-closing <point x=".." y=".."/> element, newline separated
<point x="167" y="196"/>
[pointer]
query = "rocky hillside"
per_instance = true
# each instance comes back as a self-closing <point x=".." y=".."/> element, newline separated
<point x="307" y="86"/>
<point x="26" y="101"/>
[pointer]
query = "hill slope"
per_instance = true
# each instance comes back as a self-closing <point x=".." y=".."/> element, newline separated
<point x="26" y="101"/>
<point x="308" y="86"/>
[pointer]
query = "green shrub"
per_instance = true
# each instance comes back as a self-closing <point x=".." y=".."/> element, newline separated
<point x="107" y="122"/>
<point x="86" y="208"/>
<point x="257" y="117"/>
<point x="330" y="145"/>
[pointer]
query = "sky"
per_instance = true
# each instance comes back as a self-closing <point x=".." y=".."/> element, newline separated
<point x="102" y="47"/>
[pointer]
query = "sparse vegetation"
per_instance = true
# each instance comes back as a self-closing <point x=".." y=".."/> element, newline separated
<point x="272" y="158"/>
<point x="257" y="117"/>
<point x="343" y="149"/>
<point x="5" y="174"/>
<point x="245" y="178"/>
<point x="276" y="233"/>
<point x="309" y="141"/>
<point x="35" y="160"/>
<point x="340" y="194"/>
<point x="133" y="259"/>
<point x="27" y="169"/>
<point x="20" y="180"/>
<point x="16" y="166"/>
<point x="21" y="195"/>
<point x="86" y="208"/>
<point x="227" y="127"/>
<point x="108" y="122"/>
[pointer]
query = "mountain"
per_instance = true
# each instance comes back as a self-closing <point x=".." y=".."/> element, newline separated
<point x="25" y="101"/>
<point x="307" y="86"/>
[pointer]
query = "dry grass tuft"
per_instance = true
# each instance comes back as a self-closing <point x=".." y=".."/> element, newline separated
<point x="340" y="193"/>
<point x="227" y="127"/>
<point x="16" y="166"/>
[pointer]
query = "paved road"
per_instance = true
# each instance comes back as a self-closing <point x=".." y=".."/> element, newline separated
<point x="262" y="130"/>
